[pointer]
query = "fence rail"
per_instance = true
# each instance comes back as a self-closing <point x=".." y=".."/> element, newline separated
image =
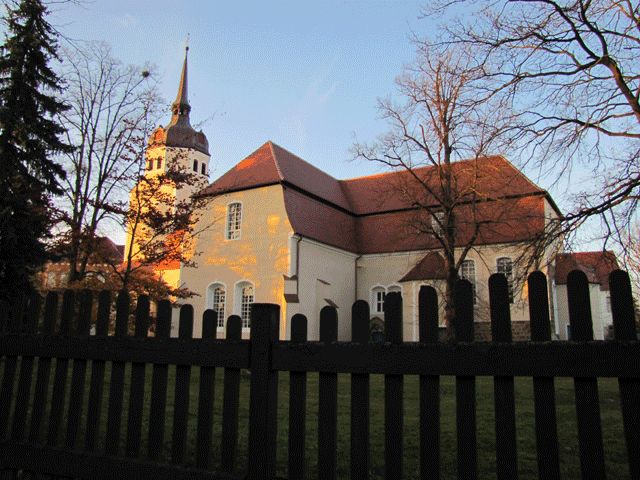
<point x="55" y="361"/>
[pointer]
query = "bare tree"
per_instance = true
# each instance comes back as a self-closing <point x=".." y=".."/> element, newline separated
<point x="162" y="221"/>
<point x="570" y="70"/>
<point x="439" y="121"/>
<point x="112" y="106"/>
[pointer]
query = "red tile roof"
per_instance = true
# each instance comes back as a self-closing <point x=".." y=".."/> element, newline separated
<point x="596" y="265"/>
<point x="375" y="214"/>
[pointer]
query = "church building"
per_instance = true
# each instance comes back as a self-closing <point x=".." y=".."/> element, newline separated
<point x="279" y="230"/>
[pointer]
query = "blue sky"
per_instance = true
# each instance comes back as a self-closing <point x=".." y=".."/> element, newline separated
<point x="305" y="75"/>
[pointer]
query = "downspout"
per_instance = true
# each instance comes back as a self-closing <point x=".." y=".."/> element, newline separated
<point x="355" y="286"/>
<point x="555" y="308"/>
<point x="298" y="238"/>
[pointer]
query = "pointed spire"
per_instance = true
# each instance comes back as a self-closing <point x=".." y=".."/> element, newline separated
<point x="180" y="107"/>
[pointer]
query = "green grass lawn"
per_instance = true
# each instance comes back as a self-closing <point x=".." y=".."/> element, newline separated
<point x="609" y="406"/>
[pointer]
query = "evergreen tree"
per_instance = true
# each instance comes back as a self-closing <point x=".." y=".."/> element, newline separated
<point x="29" y="138"/>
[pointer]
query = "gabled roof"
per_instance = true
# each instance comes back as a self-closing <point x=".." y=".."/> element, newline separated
<point x="596" y="265"/>
<point x="375" y="214"/>
<point x="271" y="164"/>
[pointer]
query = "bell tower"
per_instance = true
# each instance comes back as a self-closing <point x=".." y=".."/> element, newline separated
<point x="178" y="143"/>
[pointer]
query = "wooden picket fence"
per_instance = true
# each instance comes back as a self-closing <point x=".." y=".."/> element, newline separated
<point x="31" y="445"/>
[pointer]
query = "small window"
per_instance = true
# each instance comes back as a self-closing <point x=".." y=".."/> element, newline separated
<point x="217" y="299"/>
<point x="203" y="168"/>
<point x="245" y="293"/>
<point x="377" y="299"/>
<point x="149" y="164"/>
<point x="468" y="272"/>
<point x="159" y="163"/>
<point x="437" y="222"/>
<point x="195" y="166"/>
<point x="505" y="267"/>
<point x="234" y="221"/>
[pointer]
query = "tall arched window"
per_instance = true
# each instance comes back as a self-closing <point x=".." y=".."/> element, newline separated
<point x="505" y="266"/>
<point x="217" y="299"/>
<point x="244" y="295"/>
<point x="234" y="221"/>
<point x="468" y="272"/>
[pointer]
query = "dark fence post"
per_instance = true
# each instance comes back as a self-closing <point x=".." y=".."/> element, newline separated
<point x="465" y="386"/>
<point x="505" y="410"/>
<point x="181" y="393"/>
<point x="26" y="371"/>
<point x="429" y="388"/>
<point x="116" y="388"/>
<point x="136" y="391"/>
<point x="159" y="376"/>
<point x="44" y="368"/>
<point x="586" y="389"/>
<point x="328" y="402"/>
<point x="543" y="387"/>
<point x="206" y="395"/>
<point x="230" y="402"/>
<point x="360" y="397"/>
<point x="76" y="395"/>
<point x="624" y="328"/>
<point x="94" y="407"/>
<point x="263" y="402"/>
<point x="62" y="364"/>
<point x="297" y="406"/>
<point x="393" y="392"/>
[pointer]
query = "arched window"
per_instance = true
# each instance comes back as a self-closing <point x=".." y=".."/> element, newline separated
<point x="505" y="267"/>
<point x="234" y="221"/>
<point x="468" y="272"/>
<point x="244" y="295"/>
<point x="377" y="299"/>
<point x="159" y="163"/>
<point x="394" y="288"/>
<point x="204" y="168"/>
<point x="217" y="299"/>
<point x="195" y="166"/>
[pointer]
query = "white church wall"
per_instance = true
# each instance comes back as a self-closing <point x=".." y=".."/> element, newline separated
<point x="259" y="256"/>
<point x="384" y="270"/>
<point x="324" y="273"/>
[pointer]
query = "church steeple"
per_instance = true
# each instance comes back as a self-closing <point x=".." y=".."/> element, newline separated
<point x="179" y="132"/>
<point x="180" y="108"/>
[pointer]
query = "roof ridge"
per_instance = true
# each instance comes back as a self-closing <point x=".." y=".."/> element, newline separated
<point x="273" y="144"/>
<point x="275" y="158"/>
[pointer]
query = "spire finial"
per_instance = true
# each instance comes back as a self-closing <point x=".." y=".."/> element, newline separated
<point x="180" y="106"/>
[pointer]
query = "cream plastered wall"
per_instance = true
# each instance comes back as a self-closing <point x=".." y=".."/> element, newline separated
<point x="260" y="255"/>
<point x="185" y="157"/>
<point x="324" y="273"/>
<point x="600" y="316"/>
<point x="384" y="270"/>
<point x="387" y="269"/>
